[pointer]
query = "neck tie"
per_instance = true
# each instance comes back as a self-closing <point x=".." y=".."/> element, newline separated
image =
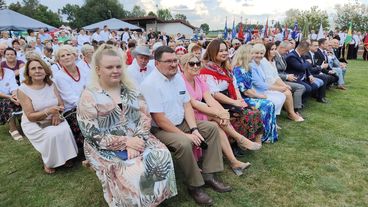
<point x="143" y="69"/>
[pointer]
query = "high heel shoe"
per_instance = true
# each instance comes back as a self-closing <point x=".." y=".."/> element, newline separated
<point x="298" y="119"/>
<point x="246" y="144"/>
<point x="240" y="169"/>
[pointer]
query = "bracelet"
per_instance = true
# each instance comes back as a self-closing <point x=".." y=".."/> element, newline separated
<point x="193" y="129"/>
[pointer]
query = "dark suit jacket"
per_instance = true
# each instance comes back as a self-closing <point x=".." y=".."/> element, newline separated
<point x="319" y="58"/>
<point x="297" y="65"/>
<point x="314" y="69"/>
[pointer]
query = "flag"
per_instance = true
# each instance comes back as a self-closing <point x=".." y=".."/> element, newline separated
<point x="294" y="33"/>
<point x="265" y="34"/>
<point x="320" y="33"/>
<point x="240" y="33"/>
<point x="249" y="34"/>
<point x="225" y="30"/>
<point x="286" y="32"/>
<point x="233" y="31"/>
<point x="349" y="37"/>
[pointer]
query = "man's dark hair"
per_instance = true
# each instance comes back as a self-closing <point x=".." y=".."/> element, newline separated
<point x="321" y="41"/>
<point x="48" y="49"/>
<point x="277" y="43"/>
<point x="303" y="45"/>
<point x="161" y="50"/>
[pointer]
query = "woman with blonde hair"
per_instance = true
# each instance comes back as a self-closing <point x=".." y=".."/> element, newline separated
<point x="134" y="167"/>
<point x="41" y="121"/>
<point x="218" y="76"/>
<point x="211" y="110"/>
<point x="70" y="81"/>
<point x="243" y="76"/>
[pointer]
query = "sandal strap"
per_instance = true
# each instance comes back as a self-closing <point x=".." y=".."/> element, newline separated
<point x="16" y="135"/>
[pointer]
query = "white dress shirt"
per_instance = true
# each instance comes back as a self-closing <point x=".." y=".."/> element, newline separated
<point x="165" y="95"/>
<point x="135" y="74"/>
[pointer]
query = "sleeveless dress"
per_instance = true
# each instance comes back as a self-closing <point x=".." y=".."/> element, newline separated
<point x="55" y="143"/>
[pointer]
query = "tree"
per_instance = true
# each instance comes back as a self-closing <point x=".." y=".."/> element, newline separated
<point x="2" y="4"/>
<point x="34" y="9"/>
<point x="93" y="11"/>
<point x="181" y="17"/>
<point x="356" y="13"/>
<point x="164" y="14"/>
<point x="205" y="27"/>
<point x="137" y="11"/>
<point x="313" y="16"/>
<point x="151" y="14"/>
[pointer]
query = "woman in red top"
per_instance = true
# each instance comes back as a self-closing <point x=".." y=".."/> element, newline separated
<point x="218" y="75"/>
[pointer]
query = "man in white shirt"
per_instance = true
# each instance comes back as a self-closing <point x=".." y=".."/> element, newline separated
<point x="97" y="35"/>
<point x="125" y="36"/>
<point x="140" y="67"/>
<point x="105" y="34"/>
<point x="83" y="38"/>
<point x="174" y="125"/>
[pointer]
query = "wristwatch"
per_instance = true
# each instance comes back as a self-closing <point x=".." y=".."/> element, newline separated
<point x="193" y="129"/>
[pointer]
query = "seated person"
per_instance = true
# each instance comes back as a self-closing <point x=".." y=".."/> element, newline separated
<point x="70" y="80"/>
<point x="260" y="85"/>
<point x="243" y="76"/>
<point x="273" y="79"/>
<point x="134" y="167"/>
<point x="12" y="63"/>
<point x="338" y="67"/>
<point x="175" y="125"/>
<point x="297" y="89"/>
<point x="217" y="73"/>
<point x="141" y="66"/>
<point x="9" y="102"/>
<point x="211" y="110"/>
<point x="299" y="67"/>
<point x="41" y="123"/>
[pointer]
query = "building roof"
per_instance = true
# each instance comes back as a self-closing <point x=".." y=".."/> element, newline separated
<point x="150" y="19"/>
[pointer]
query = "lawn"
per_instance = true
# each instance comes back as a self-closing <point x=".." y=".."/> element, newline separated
<point x="321" y="162"/>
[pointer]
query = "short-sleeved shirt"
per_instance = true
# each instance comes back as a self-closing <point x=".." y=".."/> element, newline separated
<point x="165" y="95"/>
<point x="8" y="83"/>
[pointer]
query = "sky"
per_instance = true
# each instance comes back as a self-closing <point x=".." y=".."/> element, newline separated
<point x="214" y="12"/>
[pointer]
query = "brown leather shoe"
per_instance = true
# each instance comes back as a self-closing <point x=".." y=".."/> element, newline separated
<point x="200" y="196"/>
<point x="216" y="185"/>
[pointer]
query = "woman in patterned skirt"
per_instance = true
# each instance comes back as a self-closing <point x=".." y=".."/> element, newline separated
<point x="8" y="101"/>
<point x="243" y="75"/>
<point x="134" y="167"/>
<point x="217" y="73"/>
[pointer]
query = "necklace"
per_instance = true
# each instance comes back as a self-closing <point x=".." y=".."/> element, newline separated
<point x="67" y="72"/>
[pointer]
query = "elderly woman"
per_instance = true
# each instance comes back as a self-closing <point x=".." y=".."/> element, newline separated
<point x="8" y="101"/>
<point x="70" y="80"/>
<point x="87" y="52"/>
<point x="11" y="62"/>
<point x="213" y="111"/>
<point x="274" y="81"/>
<point x="41" y="123"/>
<point x="243" y="75"/>
<point x="134" y="167"/>
<point x="217" y="73"/>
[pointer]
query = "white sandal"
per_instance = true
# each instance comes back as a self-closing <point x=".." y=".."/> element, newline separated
<point x="16" y="135"/>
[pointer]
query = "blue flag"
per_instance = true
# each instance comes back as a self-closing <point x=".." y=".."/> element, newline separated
<point x="249" y="35"/>
<point x="225" y="30"/>
<point x="233" y="31"/>
<point x="295" y="31"/>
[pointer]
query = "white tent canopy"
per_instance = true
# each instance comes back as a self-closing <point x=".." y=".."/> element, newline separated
<point x="113" y="24"/>
<point x="11" y="20"/>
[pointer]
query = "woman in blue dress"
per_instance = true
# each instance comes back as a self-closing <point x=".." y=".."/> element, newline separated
<point x="243" y="75"/>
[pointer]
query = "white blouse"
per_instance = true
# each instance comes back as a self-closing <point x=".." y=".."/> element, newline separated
<point x="8" y="83"/>
<point x="215" y="85"/>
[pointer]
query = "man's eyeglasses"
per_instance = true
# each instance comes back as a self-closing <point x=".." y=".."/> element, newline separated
<point x="170" y="62"/>
<point x="192" y="64"/>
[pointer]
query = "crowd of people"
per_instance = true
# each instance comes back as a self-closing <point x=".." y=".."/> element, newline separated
<point x="131" y="104"/>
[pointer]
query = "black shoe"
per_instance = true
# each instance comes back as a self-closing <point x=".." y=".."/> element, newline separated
<point x="322" y="100"/>
<point x="200" y="196"/>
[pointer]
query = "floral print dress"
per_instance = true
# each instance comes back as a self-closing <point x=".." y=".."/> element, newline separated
<point x="146" y="180"/>
<point x="267" y="108"/>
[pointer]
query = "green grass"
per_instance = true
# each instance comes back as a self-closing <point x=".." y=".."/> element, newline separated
<point x="321" y="162"/>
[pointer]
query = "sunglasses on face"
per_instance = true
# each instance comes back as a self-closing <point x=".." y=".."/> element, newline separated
<point x="192" y="64"/>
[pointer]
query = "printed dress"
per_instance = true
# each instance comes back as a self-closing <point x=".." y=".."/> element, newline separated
<point x="267" y="108"/>
<point x="146" y="180"/>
